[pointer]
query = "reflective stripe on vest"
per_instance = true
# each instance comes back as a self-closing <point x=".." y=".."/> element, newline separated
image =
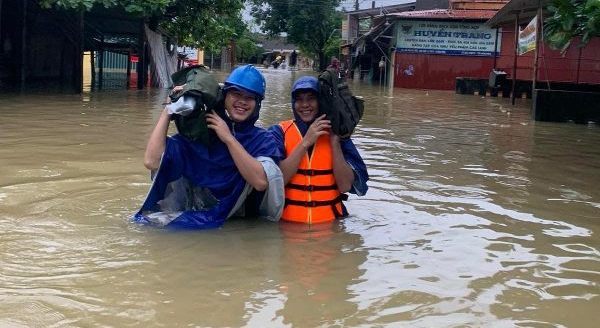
<point x="311" y="195"/>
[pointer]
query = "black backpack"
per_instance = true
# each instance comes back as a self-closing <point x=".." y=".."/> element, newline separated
<point x="339" y="105"/>
<point x="202" y="85"/>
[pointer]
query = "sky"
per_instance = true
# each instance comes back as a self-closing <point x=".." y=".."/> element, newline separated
<point x="364" y="4"/>
<point x="348" y="5"/>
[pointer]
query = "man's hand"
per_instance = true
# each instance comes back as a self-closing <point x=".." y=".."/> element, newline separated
<point x="319" y="127"/>
<point x="217" y="124"/>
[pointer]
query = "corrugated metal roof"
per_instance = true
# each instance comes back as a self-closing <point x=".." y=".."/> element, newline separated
<point x="385" y="10"/>
<point x="477" y="4"/>
<point x="450" y="14"/>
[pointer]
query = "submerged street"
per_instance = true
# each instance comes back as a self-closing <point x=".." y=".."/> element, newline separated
<point x="476" y="215"/>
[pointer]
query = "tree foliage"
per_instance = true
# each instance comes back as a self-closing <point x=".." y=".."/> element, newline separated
<point x="308" y="24"/>
<point x="247" y="50"/>
<point x="571" y="19"/>
<point x="144" y="7"/>
<point x="208" y="24"/>
<point x="332" y="48"/>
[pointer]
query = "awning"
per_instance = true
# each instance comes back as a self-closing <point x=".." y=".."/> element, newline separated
<point x="373" y="34"/>
<point x="377" y="36"/>
<point x="524" y="9"/>
<point x="112" y="29"/>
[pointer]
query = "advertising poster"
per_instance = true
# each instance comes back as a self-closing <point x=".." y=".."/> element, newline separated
<point x="527" y="37"/>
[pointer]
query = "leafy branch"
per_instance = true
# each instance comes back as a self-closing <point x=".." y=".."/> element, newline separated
<point x="571" y="19"/>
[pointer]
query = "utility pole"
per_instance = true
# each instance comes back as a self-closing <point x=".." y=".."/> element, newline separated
<point x="356" y="5"/>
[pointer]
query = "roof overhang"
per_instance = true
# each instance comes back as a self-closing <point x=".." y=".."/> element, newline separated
<point x="373" y="34"/>
<point x="523" y="9"/>
<point x="113" y="29"/>
<point x="445" y="14"/>
<point x="372" y="12"/>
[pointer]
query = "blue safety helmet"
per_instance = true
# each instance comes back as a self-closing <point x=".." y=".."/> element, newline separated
<point x="248" y="78"/>
<point x="309" y="83"/>
<point x="305" y="83"/>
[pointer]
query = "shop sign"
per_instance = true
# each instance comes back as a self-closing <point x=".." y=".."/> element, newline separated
<point x="446" y="38"/>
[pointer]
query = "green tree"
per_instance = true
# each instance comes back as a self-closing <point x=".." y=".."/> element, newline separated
<point x="247" y="49"/>
<point x="245" y="42"/>
<point x="332" y="47"/>
<point x="308" y="24"/>
<point x="208" y="24"/>
<point x="572" y="19"/>
<point x="132" y="6"/>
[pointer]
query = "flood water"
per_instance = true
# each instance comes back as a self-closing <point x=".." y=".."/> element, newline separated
<point x="476" y="216"/>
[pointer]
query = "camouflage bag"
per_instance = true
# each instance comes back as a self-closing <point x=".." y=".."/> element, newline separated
<point x="339" y="105"/>
<point x="199" y="83"/>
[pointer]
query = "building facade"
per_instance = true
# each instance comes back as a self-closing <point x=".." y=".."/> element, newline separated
<point x="431" y="48"/>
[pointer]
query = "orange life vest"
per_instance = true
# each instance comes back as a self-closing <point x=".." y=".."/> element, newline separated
<point x="311" y="195"/>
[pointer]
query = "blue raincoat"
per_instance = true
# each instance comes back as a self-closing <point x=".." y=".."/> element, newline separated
<point x="198" y="186"/>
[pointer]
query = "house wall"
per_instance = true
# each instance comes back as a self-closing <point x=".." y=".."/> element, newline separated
<point x="48" y="57"/>
<point x="437" y="71"/>
<point x="578" y="65"/>
<point x="430" y="71"/>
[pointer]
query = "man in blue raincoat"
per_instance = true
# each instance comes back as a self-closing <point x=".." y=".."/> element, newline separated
<point x="200" y="186"/>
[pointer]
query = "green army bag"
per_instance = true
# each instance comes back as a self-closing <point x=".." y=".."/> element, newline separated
<point x="199" y="83"/>
<point x="339" y="105"/>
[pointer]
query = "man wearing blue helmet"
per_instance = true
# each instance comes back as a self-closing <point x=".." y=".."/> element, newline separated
<point x="318" y="167"/>
<point x="200" y="186"/>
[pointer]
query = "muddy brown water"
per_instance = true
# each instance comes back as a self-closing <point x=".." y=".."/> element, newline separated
<point x="476" y="216"/>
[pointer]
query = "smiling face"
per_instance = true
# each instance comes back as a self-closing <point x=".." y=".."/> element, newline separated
<point x="306" y="105"/>
<point x="239" y="104"/>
